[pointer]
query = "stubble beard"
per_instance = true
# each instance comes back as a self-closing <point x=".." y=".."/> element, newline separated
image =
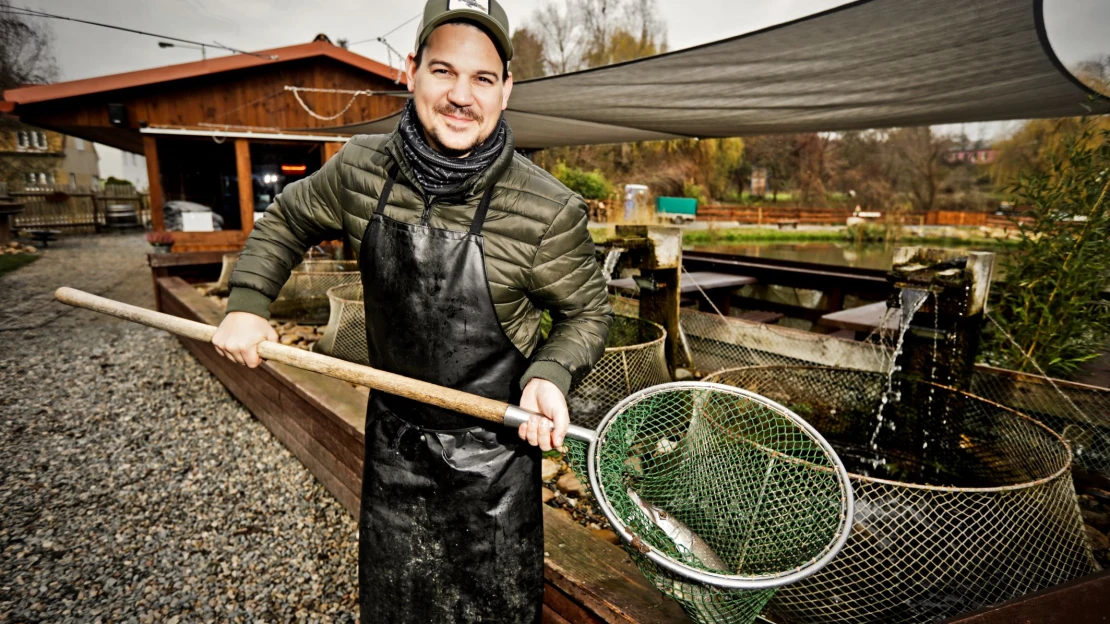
<point x="437" y="143"/>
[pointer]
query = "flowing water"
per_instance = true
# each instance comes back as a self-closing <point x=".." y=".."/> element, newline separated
<point x="912" y="300"/>
<point x="611" y="259"/>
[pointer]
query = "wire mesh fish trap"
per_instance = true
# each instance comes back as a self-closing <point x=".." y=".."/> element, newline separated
<point x="222" y="286"/>
<point x="634" y="359"/>
<point x="1080" y="413"/>
<point x="720" y="495"/>
<point x="981" y="511"/>
<point x="345" y="335"/>
<point x="304" y="297"/>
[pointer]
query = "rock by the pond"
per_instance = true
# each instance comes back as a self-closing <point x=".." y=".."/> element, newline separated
<point x="569" y="485"/>
<point x="1098" y="540"/>
<point x="549" y="469"/>
<point x="546" y="494"/>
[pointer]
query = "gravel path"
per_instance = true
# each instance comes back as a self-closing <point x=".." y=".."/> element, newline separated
<point x="133" y="487"/>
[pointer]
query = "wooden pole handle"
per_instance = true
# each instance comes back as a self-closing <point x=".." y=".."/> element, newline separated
<point x="456" y="400"/>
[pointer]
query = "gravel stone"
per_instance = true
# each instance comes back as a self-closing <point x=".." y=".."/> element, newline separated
<point x="134" y="487"/>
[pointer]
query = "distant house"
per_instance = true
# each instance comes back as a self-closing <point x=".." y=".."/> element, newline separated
<point x="33" y="157"/>
<point x="980" y="156"/>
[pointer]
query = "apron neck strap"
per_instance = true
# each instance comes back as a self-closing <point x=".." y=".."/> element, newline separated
<point x="480" y="214"/>
<point x="383" y="199"/>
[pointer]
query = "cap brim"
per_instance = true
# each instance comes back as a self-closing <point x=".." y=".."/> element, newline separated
<point x="500" y="37"/>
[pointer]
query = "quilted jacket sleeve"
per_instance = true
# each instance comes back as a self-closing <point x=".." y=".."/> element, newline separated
<point x="304" y="214"/>
<point x="567" y="281"/>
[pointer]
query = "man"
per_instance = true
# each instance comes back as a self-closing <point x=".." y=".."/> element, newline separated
<point x="461" y="244"/>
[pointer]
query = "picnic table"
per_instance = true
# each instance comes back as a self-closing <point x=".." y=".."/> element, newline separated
<point x="863" y="319"/>
<point x="715" y="286"/>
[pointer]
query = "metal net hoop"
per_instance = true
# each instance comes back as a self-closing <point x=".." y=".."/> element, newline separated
<point x="304" y="297"/>
<point x="634" y="359"/>
<point x="988" y="515"/>
<point x="345" y="334"/>
<point x="762" y="490"/>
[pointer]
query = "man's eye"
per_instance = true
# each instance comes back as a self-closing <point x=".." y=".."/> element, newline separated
<point x="485" y="80"/>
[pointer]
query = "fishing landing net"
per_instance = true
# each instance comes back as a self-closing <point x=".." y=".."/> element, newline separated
<point x="720" y="495"/>
<point x="960" y="503"/>
<point x="345" y="334"/>
<point x="304" y="297"/>
<point x="634" y="359"/>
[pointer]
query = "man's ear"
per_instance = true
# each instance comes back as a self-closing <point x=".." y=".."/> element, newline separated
<point x="508" y="90"/>
<point x="410" y="72"/>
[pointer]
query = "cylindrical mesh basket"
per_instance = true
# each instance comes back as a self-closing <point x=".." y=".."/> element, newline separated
<point x="981" y="511"/>
<point x="634" y="360"/>
<point x="345" y="335"/>
<point x="304" y="297"/>
<point x="222" y="285"/>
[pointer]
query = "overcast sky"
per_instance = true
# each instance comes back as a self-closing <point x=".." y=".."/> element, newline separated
<point x="1078" y="29"/>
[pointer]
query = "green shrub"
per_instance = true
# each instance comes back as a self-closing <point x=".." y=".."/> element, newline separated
<point x="588" y="184"/>
<point x="1050" y="308"/>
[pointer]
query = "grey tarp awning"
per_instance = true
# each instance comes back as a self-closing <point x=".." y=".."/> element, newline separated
<point x="866" y="64"/>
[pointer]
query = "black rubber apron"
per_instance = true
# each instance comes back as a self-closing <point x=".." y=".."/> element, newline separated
<point x="451" y="524"/>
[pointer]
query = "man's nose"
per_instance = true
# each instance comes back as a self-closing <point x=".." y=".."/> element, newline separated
<point x="461" y="93"/>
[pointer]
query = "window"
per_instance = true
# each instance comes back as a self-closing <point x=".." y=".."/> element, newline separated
<point x="80" y="144"/>
<point x="73" y="180"/>
<point x="40" y="140"/>
<point x="24" y="139"/>
<point x="29" y="178"/>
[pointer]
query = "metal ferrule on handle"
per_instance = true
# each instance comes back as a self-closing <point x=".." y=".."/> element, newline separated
<point x="432" y="394"/>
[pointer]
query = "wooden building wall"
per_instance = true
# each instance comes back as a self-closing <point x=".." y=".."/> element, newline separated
<point x="253" y="96"/>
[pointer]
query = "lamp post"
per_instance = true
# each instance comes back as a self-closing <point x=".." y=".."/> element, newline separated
<point x="202" y="48"/>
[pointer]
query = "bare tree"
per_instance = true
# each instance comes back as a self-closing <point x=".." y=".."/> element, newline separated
<point x="560" y="34"/>
<point x="918" y="156"/>
<point x="26" y="55"/>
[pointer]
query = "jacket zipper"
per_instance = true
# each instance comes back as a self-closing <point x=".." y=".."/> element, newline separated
<point x="427" y="214"/>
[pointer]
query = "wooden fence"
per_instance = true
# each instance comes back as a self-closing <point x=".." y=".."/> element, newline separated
<point x="73" y="209"/>
<point x="772" y="216"/>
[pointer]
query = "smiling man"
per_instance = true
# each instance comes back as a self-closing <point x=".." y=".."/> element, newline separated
<point x="462" y="244"/>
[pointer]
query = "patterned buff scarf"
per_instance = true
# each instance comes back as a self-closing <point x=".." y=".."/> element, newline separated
<point x="437" y="173"/>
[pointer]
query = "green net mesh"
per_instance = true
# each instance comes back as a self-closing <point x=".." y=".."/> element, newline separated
<point x="721" y="482"/>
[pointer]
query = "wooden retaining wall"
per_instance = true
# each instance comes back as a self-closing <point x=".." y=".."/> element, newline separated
<point x="320" y="420"/>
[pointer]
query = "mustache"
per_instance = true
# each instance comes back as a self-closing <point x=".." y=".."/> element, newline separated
<point x="459" y="111"/>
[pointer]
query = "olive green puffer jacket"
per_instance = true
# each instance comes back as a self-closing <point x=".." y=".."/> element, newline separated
<point x="539" y="254"/>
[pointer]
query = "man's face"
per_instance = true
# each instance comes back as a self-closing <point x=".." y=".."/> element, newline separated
<point x="458" y="90"/>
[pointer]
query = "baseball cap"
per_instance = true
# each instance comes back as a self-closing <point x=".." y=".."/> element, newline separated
<point x="486" y="13"/>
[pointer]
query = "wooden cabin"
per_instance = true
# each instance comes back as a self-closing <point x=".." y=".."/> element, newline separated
<point x="224" y="134"/>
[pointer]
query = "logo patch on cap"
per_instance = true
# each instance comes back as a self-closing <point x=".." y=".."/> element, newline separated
<point x="473" y="5"/>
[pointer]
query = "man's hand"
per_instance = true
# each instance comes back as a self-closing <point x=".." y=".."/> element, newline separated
<point x="238" y="336"/>
<point x="543" y="397"/>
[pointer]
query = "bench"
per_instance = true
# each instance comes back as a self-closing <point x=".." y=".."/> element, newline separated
<point x="43" y="236"/>
<point x="788" y="224"/>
